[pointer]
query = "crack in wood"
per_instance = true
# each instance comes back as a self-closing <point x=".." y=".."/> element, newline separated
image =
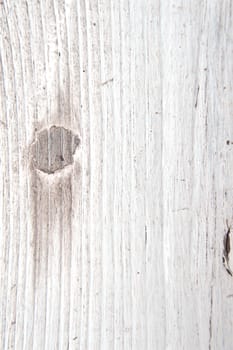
<point x="226" y="250"/>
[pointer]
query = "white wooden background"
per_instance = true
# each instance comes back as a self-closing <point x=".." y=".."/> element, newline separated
<point x="124" y="249"/>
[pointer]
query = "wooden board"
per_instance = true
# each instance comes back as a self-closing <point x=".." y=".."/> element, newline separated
<point x="120" y="245"/>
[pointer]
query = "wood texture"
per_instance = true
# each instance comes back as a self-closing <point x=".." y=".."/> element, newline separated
<point x="122" y="249"/>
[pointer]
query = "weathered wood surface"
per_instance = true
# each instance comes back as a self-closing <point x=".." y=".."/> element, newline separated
<point x="121" y="249"/>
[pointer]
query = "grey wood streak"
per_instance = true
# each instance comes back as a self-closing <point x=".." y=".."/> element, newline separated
<point x="122" y="247"/>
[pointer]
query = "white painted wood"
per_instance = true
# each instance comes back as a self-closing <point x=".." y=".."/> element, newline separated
<point x="123" y="249"/>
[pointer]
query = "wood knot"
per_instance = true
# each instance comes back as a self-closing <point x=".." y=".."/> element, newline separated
<point x="53" y="149"/>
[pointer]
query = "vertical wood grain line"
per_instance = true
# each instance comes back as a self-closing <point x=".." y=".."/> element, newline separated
<point x="125" y="81"/>
<point x="14" y="204"/>
<point x="161" y="182"/>
<point x="96" y="185"/>
<point x="108" y="175"/>
<point x="5" y="207"/>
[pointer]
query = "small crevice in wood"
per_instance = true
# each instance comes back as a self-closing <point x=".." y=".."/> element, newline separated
<point x="226" y="251"/>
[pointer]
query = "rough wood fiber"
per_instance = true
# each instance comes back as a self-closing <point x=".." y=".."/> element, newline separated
<point x="122" y="249"/>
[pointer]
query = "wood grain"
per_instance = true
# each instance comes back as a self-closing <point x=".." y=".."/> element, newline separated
<point x="123" y="248"/>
